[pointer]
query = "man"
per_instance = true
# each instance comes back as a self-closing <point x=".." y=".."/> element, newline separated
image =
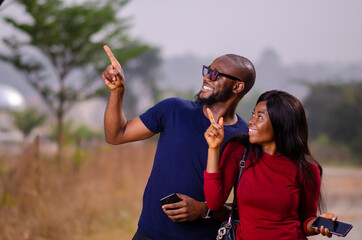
<point x="181" y="154"/>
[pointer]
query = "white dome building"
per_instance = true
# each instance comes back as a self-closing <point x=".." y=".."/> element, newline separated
<point x="10" y="99"/>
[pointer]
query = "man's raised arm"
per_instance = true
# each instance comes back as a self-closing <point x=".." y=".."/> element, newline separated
<point x="116" y="127"/>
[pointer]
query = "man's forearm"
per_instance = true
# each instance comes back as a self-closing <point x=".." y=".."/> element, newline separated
<point x="114" y="118"/>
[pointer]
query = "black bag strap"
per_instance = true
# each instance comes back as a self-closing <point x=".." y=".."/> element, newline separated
<point x="242" y="165"/>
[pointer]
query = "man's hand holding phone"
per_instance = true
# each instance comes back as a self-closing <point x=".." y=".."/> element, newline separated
<point x="172" y="198"/>
<point x="188" y="209"/>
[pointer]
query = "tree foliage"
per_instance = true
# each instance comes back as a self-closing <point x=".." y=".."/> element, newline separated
<point x="63" y="40"/>
<point x="334" y="110"/>
<point x="28" y="119"/>
<point x="74" y="133"/>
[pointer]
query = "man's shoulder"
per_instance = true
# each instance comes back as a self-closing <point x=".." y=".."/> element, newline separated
<point x="239" y="127"/>
<point x="178" y="102"/>
<point x="241" y="121"/>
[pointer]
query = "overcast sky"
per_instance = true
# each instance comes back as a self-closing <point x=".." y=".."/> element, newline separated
<point x="300" y="31"/>
<point x="308" y="31"/>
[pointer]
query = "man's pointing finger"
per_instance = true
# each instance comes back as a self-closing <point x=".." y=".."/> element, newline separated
<point x="113" y="59"/>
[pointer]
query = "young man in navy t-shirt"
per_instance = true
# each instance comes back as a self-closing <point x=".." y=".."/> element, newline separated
<point x="181" y="154"/>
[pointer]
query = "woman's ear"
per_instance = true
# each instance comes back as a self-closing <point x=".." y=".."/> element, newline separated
<point x="238" y="87"/>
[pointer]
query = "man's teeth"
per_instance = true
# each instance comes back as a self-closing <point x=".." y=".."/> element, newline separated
<point x="206" y="87"/>
<point x="252" y="130"/>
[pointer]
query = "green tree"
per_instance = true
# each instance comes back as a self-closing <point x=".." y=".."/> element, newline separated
<point x="334" y="110"/>
<point x="62" y="55"/>
<point x="27" y="120"/>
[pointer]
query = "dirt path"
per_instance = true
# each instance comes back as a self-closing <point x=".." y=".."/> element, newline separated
<point x="343" y="195"/>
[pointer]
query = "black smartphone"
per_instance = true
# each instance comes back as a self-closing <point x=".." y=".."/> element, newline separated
<point x="335" y="227"/>
<point x="172" y="198"/>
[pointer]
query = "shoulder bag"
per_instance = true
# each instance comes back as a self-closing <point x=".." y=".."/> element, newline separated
<point x="227" y="230"/>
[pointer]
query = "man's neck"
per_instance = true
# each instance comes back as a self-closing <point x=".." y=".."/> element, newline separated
<point x="225" y="110"/>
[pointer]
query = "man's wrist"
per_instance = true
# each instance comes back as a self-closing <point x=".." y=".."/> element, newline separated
<point x="208" y="213"/>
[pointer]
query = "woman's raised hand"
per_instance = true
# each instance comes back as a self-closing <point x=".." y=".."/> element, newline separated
<point x="113" y="76"/>
<point x="214" y="135"/>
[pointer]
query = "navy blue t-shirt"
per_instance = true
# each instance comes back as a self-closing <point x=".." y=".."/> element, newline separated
<point x="178" y="167"/>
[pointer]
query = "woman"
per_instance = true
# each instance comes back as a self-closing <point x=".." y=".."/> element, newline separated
<point x="279" y="189"/>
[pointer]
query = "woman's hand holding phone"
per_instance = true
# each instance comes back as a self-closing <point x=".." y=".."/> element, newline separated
<point x="327" y="224"/>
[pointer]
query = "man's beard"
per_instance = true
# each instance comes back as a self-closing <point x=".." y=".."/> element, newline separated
<point x="214" y="97"/>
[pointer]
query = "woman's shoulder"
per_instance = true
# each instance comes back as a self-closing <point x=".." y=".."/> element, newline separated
<point x="314" y="171"/>
<point x="314" y="167"/>
<point x="234" y="146"/>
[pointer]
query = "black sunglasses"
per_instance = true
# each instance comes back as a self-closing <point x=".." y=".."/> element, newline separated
<point x="214" y="74"/>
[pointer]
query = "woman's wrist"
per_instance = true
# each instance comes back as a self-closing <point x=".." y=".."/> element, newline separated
<point x="309" y="226"/>
<point x="214" y="148"/>
<point x="213" y="154"/>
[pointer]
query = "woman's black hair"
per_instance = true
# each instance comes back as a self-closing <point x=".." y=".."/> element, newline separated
<point x="290" y="127"/>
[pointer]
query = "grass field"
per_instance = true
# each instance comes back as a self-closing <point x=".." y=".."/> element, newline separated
<point x="96" y="194"/>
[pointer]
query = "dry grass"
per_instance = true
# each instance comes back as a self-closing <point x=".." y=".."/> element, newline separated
<point x="97" y="194"/>
<point x="41" y="200"/>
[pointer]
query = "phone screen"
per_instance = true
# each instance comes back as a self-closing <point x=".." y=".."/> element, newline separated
<point x="172" y="198"/>
<point x="335" y="227"/>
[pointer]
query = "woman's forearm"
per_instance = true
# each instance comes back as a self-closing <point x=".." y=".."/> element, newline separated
<point x="213" y="160"/>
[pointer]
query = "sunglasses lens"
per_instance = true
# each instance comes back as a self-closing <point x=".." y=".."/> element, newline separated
<point x="213" y="75"/>
<point x="205" y="70"/>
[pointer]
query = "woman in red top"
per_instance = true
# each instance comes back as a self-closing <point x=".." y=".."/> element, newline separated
<point x="279" y="189"/>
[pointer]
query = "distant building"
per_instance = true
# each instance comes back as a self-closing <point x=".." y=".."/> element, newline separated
<point x="10" y="136"/>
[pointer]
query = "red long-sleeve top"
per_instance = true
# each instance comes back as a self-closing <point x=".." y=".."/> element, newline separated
<point x="273" y="199"/>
